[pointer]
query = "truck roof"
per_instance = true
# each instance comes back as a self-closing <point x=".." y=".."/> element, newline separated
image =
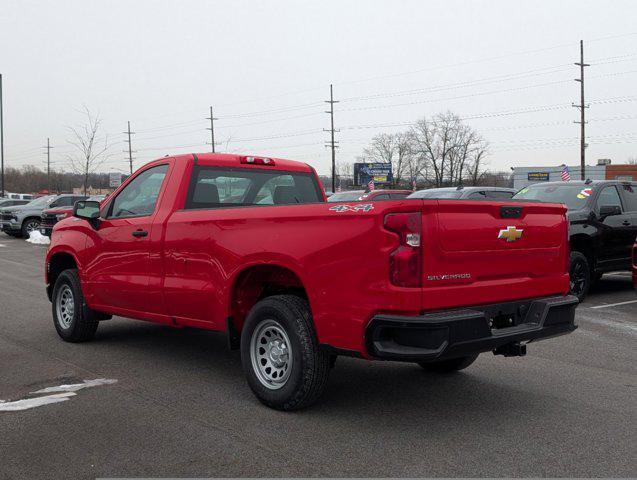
<point x="235" y="161"/>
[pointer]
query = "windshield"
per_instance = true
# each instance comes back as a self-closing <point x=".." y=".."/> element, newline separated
<point x="436" y="193"/>
<point x="346" y="196"/>
<point x="42" y="201"/>
<point x="574" y="197"/>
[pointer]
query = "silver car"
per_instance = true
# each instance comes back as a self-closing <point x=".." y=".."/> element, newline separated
<point x="22" y="220"/>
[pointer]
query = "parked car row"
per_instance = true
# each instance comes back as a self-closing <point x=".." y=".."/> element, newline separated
<point x="21" y="217"/>
<point x="602" y="219"/>
<point x="456" y="193"/>
<point x="53" y="215"/>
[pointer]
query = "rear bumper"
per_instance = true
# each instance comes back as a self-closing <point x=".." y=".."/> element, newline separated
<point x="457" y="333"/>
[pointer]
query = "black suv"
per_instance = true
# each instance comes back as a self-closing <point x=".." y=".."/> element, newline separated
<point x="603" y="225"/>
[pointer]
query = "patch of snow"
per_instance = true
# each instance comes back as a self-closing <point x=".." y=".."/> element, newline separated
<point x="57" y="394"/>
<point x="37" y="238"/>
<point x="35" y="402"/>
<point x="74" y="387"/>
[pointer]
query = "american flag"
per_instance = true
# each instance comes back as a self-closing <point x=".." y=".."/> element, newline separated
<point x="370" y="185"/>
<point x="566" y="175"/>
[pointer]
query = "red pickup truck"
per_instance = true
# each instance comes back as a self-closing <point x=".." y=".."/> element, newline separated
<point x="249" y="246"/>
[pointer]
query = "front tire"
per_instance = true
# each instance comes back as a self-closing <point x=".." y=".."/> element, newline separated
<point x="283" y="363"/>
<point x="73" y="320"/>
<point x="449" y="366"/>
<point x="30" y="225"/>
<point x="580" y="275"/>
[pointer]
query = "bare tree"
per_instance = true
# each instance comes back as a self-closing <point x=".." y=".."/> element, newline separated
<point x="394" y="148"/>
<point x="91" y="151"/>
<point x="451" y="150"/>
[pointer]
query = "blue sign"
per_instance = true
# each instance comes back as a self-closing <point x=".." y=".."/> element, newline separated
<point x="381" y="173"/>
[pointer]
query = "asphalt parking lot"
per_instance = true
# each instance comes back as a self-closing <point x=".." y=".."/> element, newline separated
<point x="180" y="406"/>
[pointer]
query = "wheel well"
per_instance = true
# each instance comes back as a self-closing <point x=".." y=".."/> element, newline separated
<point x="57" y="264"/>
<point x="31" y="217"/>
<point x="583" y="244"/>
<point x="256" y="283"/>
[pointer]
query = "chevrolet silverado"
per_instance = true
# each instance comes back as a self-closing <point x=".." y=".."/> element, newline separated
<point x="249" y="246"/>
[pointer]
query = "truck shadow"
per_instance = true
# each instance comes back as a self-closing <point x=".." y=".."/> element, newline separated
<point x="611" y="283"/>
<point x="356" y="387"/>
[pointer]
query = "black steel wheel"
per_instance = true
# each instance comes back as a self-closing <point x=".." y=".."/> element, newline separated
<point x="580" y="274"/>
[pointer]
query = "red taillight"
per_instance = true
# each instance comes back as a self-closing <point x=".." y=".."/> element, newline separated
<point x="258" y="161"/>
<point x="405" y="263"/>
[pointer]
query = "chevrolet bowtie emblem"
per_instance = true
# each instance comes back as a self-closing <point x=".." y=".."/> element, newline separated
<point x="511" y="234"/>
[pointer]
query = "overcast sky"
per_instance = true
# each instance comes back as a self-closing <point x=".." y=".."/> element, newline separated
<point x="505" y="66"/>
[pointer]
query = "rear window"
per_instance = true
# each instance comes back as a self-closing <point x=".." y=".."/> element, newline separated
<point x="436" y="193"/>
<point x="574" y="196"/>
<point x="499" y="194"/>
<point x="213" y="187"/>
<point x="346" y="196"/>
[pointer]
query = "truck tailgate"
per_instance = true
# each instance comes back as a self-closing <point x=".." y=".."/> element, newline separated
<point x="477" y="252"/>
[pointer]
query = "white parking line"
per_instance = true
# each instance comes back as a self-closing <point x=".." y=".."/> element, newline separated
<point x="627" y="327"/>
<point x="615" y="304"/>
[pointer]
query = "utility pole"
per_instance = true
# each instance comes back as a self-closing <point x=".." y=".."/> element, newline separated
<point x="48" y="164"/>
<point x="1" y="143"/>
<point x="332" y="143"/>
<point x="582" y="106"/>
<point x="130" y="148"/>
<point x="212" y="129"/>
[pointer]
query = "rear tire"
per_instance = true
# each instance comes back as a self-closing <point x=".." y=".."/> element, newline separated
<point x="449" y="366"/>
<point x="73" y="320"/>
<point x="283" y="363"/>
<point x="580" y="275"/>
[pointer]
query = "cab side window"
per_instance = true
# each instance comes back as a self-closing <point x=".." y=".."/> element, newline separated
<point x="398" y="196"/>
<point x="499" y="194"/>
<point x="609" y="197"/>
<point x="382" y="196"/>
<point x="139" y="197"/>
<point x="476" y="196"/>
<point x="630" y="197"/>
<point x="63" y="202"/>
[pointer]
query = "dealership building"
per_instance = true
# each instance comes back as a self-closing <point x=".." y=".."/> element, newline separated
<point x="524" y="176"/>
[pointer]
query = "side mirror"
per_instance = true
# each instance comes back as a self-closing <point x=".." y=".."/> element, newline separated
<point x="88" y="210"/>
<point x="609" y="210"/>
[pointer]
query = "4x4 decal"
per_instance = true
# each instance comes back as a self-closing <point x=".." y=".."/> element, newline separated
<point x="364" y="207"/>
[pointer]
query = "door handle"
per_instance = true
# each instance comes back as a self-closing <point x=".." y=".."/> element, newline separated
<point x="140" y="233"/>
<point x="626" y="223"/>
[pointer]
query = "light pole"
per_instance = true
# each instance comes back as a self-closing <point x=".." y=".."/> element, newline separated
<point x="1" y="143"/>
